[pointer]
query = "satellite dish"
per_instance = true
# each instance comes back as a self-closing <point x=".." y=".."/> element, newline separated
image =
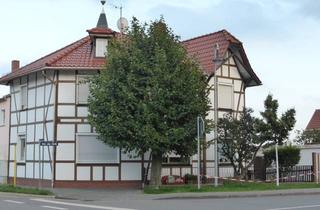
<point x="122" y="24"/>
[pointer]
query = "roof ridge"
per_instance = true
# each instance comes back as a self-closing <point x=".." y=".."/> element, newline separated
<point x="43" y="57"/>
<point x="204" y="35"/>
<point x="77" y="44"/>
<point x="227" y="33"/>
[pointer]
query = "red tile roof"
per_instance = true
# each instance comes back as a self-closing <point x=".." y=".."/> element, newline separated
<point x="202" y="48"/>
<point x="314" y="123"/>
<point x="80" y="55"/>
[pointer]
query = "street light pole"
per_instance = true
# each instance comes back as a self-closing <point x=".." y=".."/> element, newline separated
<point x="216" y="61"/>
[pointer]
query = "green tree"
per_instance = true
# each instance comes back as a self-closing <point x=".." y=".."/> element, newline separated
<point x="274" y="128"/>
<point x="308" y="137"/>
<point x="149" y="95"/>
<point x="240" y="140"/>
<point x="289" y="156"/>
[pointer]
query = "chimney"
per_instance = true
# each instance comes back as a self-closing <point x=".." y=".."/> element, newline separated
<point x="15" y="65"/>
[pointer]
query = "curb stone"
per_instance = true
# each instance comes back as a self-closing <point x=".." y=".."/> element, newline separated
<point x="222" y="195"/>
<point x="9" y="194"/>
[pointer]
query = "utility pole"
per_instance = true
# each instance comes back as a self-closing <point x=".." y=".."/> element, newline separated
<point x="216" y="61"/>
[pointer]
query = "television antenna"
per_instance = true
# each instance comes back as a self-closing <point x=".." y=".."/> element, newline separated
<point x="122" y="22"/>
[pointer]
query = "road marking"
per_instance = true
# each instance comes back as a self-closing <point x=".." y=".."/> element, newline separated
<point x="54" y="207"/>
<point x="80" y="205"/>
<point x="295" y="207"/>
<point x="11" y="201"/>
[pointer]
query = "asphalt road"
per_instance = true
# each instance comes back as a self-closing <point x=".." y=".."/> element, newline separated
<point x="307" y="202"/>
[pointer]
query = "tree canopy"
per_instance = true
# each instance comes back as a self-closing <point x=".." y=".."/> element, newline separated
<point x="308" y="137"/>
<point x="149" y="95"/>
<point x="242" y="138"/>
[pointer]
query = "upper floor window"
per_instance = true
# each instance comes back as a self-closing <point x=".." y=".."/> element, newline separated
<point x="101" y="47"/>
<point x="23" y="96"/>
<point x="82" y="89"/>
<point x="2" y="117"/>
<point x="225" y="96"/>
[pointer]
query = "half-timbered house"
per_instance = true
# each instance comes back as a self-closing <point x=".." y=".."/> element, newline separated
<point x="49" y="103"/>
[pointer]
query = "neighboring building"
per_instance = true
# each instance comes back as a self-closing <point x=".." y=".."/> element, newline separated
<point x="49" y="101"/>
<point x="4" y="136"/>
<point x="308" y="149"/>
<point x="306" y="153"/>
<point x="314" y="122"/>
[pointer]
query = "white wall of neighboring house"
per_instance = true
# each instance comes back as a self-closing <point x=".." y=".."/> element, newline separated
<point x="306" y="153"/>
<point x="4" y="136"/>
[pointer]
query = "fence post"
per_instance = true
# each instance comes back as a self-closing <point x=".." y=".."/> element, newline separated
<point x="315" y="166"/>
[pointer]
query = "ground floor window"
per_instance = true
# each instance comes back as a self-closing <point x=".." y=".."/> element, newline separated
<point x="21" y="148"/>
<point x="90" y="149"/>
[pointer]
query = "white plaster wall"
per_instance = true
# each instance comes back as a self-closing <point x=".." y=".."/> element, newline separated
<point x="40" y="114"/>
<point x="29" y="170"/>
<point x="82" y="111"/>
<point x="65" y="151"/>
<point x="83" y="173"/>
<point x="40" y="96"/>
<point x="66" y="111"/>
<point x="306" y="155"/>
<point x="31" y="98"/>
<point x="64" y="171"/>
<point x="23" y="117"/>
<point x="30" y="152"/>
<point x="66" y="96"/>
<point x="30" y="133"/>
<point x="84" y="128"/>
<point x="39" y="131"/>
<point x="111" y="173"/>
<point x="49" y="98"/>
<point x="31" y="115"/>
<point x="67" y="75"/>
<point x="97" y="173"/>
<point x="65" y="132"/>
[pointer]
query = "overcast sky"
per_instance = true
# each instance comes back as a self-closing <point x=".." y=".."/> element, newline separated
<point x="281" y="37"/>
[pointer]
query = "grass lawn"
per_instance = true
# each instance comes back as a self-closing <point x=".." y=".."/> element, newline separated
<point x="12" y="189"/>
<point x="229" y="187"/>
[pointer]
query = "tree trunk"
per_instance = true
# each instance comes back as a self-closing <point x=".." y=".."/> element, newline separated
<point x="156" y="166"/>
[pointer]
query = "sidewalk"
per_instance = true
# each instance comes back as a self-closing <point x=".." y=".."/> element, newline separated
<point x="125" y="195"/>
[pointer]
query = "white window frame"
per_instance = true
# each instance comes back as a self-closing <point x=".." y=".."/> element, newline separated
<point x="2" y="117"/>
<point x="232" y="95"/>
<point x="103" y="49"/>
<point x="80" y="79"/>
<point x="24" y="105"/>
<point x="93" y="161"/>
<point x="19" y="147"/>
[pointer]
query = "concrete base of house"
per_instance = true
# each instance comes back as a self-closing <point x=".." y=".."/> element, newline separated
<point x="78" y="184"/>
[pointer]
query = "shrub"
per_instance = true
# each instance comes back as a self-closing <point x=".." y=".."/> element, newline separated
<point x="289" y="156"/>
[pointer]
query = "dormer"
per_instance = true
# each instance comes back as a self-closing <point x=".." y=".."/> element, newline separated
<point x="100" y="35"/>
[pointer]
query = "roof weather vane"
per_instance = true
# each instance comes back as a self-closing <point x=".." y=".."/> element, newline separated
<point x="103" y="2"/>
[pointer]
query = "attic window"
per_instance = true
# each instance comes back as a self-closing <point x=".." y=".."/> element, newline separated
<point x="101" y="47"/>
